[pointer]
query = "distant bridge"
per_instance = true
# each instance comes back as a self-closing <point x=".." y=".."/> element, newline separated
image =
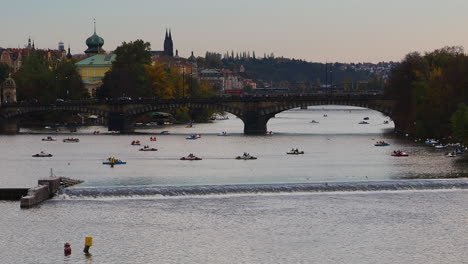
<point x="254" y="111"/>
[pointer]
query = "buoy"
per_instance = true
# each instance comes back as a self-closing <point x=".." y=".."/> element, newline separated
<point x="88" y="244"/>
<point x="67" y="249"/>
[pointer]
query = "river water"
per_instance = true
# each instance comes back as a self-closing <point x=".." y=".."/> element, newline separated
<point x="343" y="201"/>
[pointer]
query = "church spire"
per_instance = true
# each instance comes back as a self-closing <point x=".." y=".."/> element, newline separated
<point x="170" y="35"/>
<point x="167" y="36"/>
<point x="94" y="25"/>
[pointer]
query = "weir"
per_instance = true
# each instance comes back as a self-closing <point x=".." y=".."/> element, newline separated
<point x="367" y="186"/>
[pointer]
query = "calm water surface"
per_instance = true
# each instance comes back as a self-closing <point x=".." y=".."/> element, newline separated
<point x="329" y="227"/>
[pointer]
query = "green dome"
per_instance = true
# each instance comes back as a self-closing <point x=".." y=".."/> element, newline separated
<point x="95" y="41"/>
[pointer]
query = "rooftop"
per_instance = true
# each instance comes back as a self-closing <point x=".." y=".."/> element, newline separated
<point x="98" y="60"/>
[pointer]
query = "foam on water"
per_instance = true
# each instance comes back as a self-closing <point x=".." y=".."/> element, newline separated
<point x="203" y="190"/>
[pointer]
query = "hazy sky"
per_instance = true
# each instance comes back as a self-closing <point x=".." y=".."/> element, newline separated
<point x="314" y="30"/>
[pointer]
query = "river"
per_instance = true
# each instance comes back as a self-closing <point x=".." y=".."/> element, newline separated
<point x="235" y="211"/>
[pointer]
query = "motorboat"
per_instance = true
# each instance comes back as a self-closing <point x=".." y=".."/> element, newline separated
<point x="381" y="144"/>
<point x="165" y="132"/>
<point x="113" y="161"/>
<point x="224" y="133"/>
<point x="190" y="157"/>
<point x="71" y="140"/>
<point x="440" y="146"/>
<point x="314" y="122"/>
<point x="153" y="139"/>
<point x="399" y="153"/>
<point x="363" y="123"/>
<point x="147" y="148"/>
<point x="42" y="154"/>
<point x="246" y="156"/>
<point x="49" y="139"/>
<point x="295" y="152"/>
<point x="135" y="143"/>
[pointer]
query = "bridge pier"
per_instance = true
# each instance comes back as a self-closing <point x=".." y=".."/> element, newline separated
<point x="120" y="122"/>
<point x="9" y="126"/>
<point x="254" y="123"/>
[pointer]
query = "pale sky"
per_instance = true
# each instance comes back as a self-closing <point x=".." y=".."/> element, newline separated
<point x="313" y="30"/>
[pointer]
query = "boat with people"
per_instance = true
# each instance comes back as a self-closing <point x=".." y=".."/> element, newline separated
<point x="224" y="134"/>
<point x="246" y="156"/>
<point x="459" y="151"/>
<point x="363" y="123"/>
<point x="71" y="140"/>
<point x="190" y="157"/>
<point x="147" y="148"/>
<point x="153" y="139"/>
<point x="49" y="139"/>
<point x="385" y="122"/>
<point x="440" y="146"/>
<point x="399" y="153"/>
<point x="450" y="154"/>
<point x="366" y="118"/>
<point x="294" y="151"/>
<point x="113" y="161"/>
<point x="381" y="143"/>
<point x="165" y="132"/>
<point x="194" y="136"/>
<point x="42" y="154"/>
<point x="431" y="142"/>
<point x="135" y="143"/>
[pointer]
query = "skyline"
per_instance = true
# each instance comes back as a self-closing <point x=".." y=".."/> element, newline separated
<point x="316" y="31"/>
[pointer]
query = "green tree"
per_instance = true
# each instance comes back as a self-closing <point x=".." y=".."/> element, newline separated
<point x="128" y="76"/>
<point x="459" y="122"/>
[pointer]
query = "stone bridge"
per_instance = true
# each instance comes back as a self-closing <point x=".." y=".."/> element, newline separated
<point x="254" y="111"/>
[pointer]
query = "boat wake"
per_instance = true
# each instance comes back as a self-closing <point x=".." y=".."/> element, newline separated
<point x="203" y="190"/>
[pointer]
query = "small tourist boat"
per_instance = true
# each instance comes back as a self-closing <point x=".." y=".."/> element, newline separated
<point x="314" y="122"/>
<point x="363" y="123"/>
<point x="153" y="139"/>
<point x="190" y="157"/>
<point x="459" y="151"/>
<point x="49" y="139"/>
<point x="147" y="148"/>
<point x="42" y="154"/>
<point x="165" y="132"/>
<point x="71" y="140"/>
<point x="385" y="122"/>
<point x="450" y="155"/>
<point x="440" y="146"/>
<point x="325" y="115"/>
<point x="399" y="153"/>
<point x="195" y="136"/>
<point x="381" y="144"/>
<point x="295" y="152"/>
<point x="135" y="143"/>
<point x="431" y="142"/>
<point x="224" y="134"/>
<point x="113" y="161"/>
<point x="246" y="156"/>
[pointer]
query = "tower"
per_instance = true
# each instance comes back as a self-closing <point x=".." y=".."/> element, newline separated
<point x="94" y="43"/>
<point x="9" y="90"/>
<point x="168" y="45"/>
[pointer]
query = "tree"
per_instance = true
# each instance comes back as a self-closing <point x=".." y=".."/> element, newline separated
<point x="68" y="81"/>
<point x="4" y="71"/>
<point x="459" y="122"/>
<point x="128" y="74"/>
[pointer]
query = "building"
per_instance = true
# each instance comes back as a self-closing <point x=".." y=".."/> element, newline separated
<point x="93" y="70"/>
<point x="9" y="90"/>
<point x="168" y="48"/>
<point x="94" y="44"/>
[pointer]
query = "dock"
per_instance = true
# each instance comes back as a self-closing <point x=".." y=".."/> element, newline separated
<point x="45" y="190"/>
